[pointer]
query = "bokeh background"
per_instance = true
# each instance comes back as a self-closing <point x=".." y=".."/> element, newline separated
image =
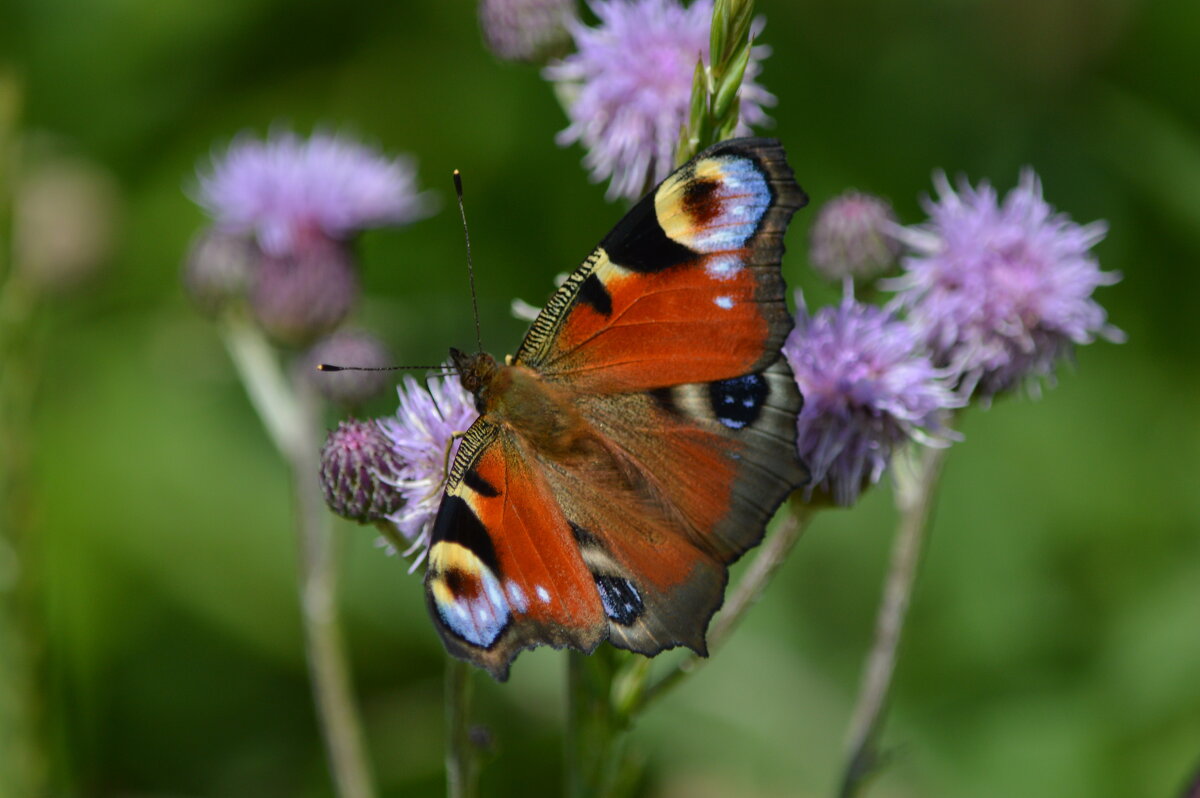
<point x="1054" y="642"/>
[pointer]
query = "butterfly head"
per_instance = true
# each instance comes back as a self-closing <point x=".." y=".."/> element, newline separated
<point x="475" y="372"/>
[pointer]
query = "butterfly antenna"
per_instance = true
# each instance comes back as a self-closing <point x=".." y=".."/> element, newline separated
<point x="458" y="189"/>
<point x="330" y="367"/>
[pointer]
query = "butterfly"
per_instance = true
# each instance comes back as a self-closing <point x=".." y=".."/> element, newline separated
<point x="640" y="438"/>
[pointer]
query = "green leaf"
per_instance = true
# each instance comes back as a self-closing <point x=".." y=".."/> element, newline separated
<point x="727" y="128"/>
<point x="717" y="34"/>
<point x="730" y="82"/>
<point x="699" y="103"/>
<point x="684" y="150"/>
<point x="739" y="31"/>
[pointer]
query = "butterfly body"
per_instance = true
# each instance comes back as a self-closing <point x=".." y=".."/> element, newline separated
<point x="641" y="436"/>
<point x="516" y="398"/>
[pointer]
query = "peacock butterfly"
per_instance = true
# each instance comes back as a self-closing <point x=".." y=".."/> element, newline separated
<point x="640" y="438"/>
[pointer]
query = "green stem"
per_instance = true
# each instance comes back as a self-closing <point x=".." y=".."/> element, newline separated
<point x="713" y="108"/>
<point x="915" y="491"/>
<point x="23" y="751"/>
<point x="291" y="415"/>
<point x="749" y="590"/>
<point x="595" y="753"/>
<point x="462" y="761"/>
<point x="24" y="757"/>
<point x="277" y="407"/>
<point x="608" y="689"/>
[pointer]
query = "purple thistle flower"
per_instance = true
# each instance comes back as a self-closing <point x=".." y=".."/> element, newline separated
<point x="868" y="387"/>
<point x="526" y="30"/>
<point x="629" y="86"/>
<point x="421" y="432"/>
<point x="1001" y="291"/>
<point x="287" y="190"/>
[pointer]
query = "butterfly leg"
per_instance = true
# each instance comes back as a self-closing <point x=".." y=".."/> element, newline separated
<point x="454" y="436"/>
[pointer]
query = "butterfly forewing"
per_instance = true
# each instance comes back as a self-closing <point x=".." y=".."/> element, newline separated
<point x="505" y="572"/>
<point x="686" y="288"/>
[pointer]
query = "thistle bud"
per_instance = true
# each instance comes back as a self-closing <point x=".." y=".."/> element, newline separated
<point x="218" y="269"/>
<point x="65" y="220"/>
<point x="850" y="238"/>
<point x="357" y="468"/>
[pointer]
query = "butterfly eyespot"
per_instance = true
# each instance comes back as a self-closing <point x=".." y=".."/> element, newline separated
<point x="467" y="595"/>
<point x="702" y="201"/>
<point x="724" y="199"/>
<point x="621" y="600"/>
<point x="737" y="402"/>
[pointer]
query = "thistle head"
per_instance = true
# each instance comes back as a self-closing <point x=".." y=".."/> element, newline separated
<point x="1001" y="291"/>
<point x="628" y="88"/>
<point x="868" y="388"/>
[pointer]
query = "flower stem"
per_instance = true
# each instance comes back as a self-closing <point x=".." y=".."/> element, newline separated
<point x="915" y="489"/>
<point x="327" y="659"/>
<point x="24" y="757"/>
<point x="595" y="756"/>
<point x="585" y="739"/>
<point x="764" y="567"/>
<point x="291" y="415"/>
<point x="748" y="591"/>
<point x="608" y="689"/>
<point x="462" y="761"/>
<point x="277" y="406"/>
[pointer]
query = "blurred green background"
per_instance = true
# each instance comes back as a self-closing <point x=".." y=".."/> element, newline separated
<point x="1054" y="642"/>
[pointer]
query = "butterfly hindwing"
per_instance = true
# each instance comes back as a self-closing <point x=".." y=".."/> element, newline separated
<point x="686" y="494"/>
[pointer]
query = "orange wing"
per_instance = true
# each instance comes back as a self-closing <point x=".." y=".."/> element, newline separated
<point x="686" y="288"/>
<point x="504" y="570"/>
<point x="628" y="543"/>
<point x="680" y="495"/>
<point x="666" y="344"/>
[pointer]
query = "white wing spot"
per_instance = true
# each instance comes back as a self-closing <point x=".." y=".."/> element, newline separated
<point x="723" y="267"/>
<point x="517" y="596"/>
<point x="725" y="302"/>
<point x="543" y="594"/>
